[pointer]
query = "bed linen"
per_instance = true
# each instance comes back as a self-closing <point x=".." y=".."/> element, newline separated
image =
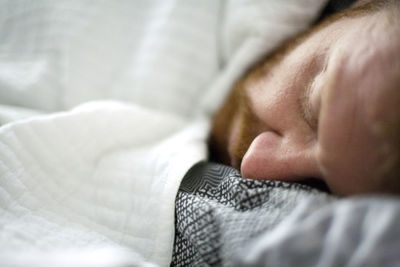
<point x="225" y="220"/>
<point x="87" y="181"/>
<point x="109" y="184"/>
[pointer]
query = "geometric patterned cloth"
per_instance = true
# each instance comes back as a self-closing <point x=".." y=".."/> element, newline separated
<point x="218" y="212"/>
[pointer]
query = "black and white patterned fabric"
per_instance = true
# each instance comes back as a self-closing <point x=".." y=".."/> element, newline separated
<point x="218" y="212"/>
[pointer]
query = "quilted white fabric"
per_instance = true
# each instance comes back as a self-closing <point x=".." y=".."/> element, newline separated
<point x="95" y="186"/>
<point x="58" y="54"/>
<point x="66" y="185"/>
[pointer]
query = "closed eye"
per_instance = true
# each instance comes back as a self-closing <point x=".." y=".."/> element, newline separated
<point x="309" y="97"/>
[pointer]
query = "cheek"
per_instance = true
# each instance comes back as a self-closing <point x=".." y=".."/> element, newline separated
<point x="335" y="143"/>
<point x="347" y="157"/>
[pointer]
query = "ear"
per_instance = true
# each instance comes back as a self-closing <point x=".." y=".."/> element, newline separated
<point x="273" y="157"/>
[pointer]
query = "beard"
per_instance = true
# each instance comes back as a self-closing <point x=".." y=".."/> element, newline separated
<point x="234" y="126"/>
<point x="233" y="129"/>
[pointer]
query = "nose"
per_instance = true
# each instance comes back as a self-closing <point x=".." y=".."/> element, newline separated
<point x="271" y="156"/>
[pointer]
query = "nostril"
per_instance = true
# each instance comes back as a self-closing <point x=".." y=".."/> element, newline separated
<point x="316" y="183"/>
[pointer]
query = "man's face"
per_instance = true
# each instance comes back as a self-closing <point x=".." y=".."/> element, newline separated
<point x="310" y="112"/>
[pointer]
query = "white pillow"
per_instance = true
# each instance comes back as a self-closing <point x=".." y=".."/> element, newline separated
<point x="175" y="56"/>
<point x="55" y="55"/>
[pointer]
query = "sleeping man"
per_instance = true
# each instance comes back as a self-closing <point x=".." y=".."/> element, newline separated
<point x="325" y="105"/>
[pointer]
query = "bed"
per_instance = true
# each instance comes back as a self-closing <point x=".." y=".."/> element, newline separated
<point x="104" y="114"/>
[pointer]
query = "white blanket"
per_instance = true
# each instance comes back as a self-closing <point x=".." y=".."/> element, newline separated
<point x="95" y="186"/>
<point x="100" y="175"/>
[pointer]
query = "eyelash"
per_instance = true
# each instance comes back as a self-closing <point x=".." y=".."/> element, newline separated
<point x="314" y="106"/>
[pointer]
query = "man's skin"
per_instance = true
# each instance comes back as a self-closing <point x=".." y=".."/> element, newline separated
<point x="310" y="109"/>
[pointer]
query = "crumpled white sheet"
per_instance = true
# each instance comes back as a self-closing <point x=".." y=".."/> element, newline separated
<point x="101" y="178"/>
<point x="357" y="231"/>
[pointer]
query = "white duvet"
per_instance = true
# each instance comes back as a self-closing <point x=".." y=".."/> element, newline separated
<point x="104" y="106"/>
